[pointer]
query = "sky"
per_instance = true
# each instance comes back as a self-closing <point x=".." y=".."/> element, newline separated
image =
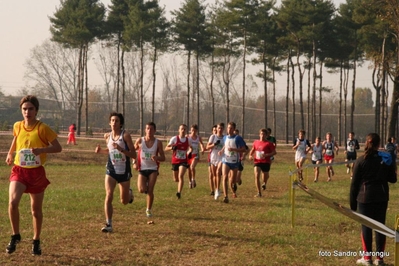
<point x="25" y="24"/>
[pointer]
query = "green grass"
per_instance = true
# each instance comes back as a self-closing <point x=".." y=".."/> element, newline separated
<point x="196" y="230"/>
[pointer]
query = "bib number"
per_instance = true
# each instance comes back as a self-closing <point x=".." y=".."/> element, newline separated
<point x="27" y="158"/>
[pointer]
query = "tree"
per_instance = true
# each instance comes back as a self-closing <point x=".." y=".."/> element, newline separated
<point x="76" y="24"/>
<point x="189" y="30"/>
<point x="115" y="27"/>
<point x="52" y="69"/>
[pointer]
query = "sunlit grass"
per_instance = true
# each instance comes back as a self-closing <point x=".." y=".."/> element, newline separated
<point x="196" y="230"/>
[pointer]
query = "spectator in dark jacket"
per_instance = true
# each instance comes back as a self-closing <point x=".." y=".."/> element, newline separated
<point x="369" y="194"/>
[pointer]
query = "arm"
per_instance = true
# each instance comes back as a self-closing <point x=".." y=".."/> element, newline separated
<point x="98" y="147"/>
<point x="137" y="144"/>
<point x="132" y="151"/>
<point x="201" y="145"/>
<point x="336" y="147"/>
<point x="170" y="145"/>
<point x="53" y="148"/>
<point x="251" y="153"/>
<point x="161" y="154"/>
<point x="296" y="144"/>
<point x="10" y="158"/>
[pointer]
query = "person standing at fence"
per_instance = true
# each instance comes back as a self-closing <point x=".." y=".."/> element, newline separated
<point x="351" y="146"/>
<point x="180" y="145"/>
<point x="215" y="144"/>
<point x="150" y="154"/>
<point x="261" y="152"/>
<point x="32" y="141"/>
<point x="317" y="157"/>
<point x="301" y="147"/>
<point x="71" y="134"/>
<point x="120" y="149"/>
<point x="369" y="194"/>
<point x="194" y="156"/>
<point x="330" y="148"/>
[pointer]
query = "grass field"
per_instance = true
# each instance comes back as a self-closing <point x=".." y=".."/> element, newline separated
<point x="196" y="230"/>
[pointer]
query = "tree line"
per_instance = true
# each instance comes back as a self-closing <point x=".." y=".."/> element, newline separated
<point x="300" y="39"/>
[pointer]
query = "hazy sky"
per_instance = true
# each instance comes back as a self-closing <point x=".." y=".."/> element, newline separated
<point x="25" y="24"/>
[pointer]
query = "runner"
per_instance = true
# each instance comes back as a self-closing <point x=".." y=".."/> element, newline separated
<point x="261" y="152"/>
<point x="120" y="149"/>
<point x="215" y="144"/>
<point x="196" y="142"/>
<point x="233" y="146"/>
<point x="301" y="147"/>
<point x="330" y="147"/>
<point x="32" y="141"/>
<point x="351" y="145"/>
<point x="181" y="147"/>
<point x="150" y="154"/>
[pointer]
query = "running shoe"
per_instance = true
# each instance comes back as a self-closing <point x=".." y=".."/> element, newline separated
<point x="36" y="250"/>
<point x="148" y="213"/>
<point x="178" y="195"/>
<point x="212" y="193"/>
<point x="191" y="185"/>
<point x="234" y="195"/>
<point x="226" y="200"/>
<point x="131" y="196"/>
<point x="217" y="194"/>
<point x="107" y="228"/>
<point x="259" y="195"/>
<point x="347" y="170"/>
<point x="363" y="261"/>
<point x="12" y="246"/>
<point x="194" y="183"/>
<point x="379" y="262"/>
<point x="264" y="186"/>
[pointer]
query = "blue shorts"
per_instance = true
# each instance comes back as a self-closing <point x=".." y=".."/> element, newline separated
<point x="232" y="166"/>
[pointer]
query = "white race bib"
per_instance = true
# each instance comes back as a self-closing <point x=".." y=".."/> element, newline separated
<point x="27" y="158"/>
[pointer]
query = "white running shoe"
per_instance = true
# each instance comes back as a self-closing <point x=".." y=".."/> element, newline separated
<point x="347" y="170"/>
<point x="107" y="228"/>
<point x="217" y="194"/>
<point x="148" y="213"/>
<point x="363" y="261"/>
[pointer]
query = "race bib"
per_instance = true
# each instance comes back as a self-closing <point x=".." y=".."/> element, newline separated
<point x="146" y="156"/>
<point x="351" y="148"/>
<point x="259" y="154"/>
<point x="329" y="152"/>
<point x="180" y="154"/>
<point x="231" y="157"/>
<point x="117" y="156"/>
<point x="301" y="148"/>
<point x="27" y="158"/>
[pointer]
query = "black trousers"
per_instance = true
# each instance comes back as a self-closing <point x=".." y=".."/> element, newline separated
<point x="376" y="211"/>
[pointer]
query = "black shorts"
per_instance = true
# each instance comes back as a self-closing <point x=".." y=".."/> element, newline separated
<point x="315" y="162"/>
<point x="175" y="167"/>
<point x="351" y="156"/>
<point x="264" y="167"/>
<point x="119" y="178"/>
<point x="240" y="167"/>
<point x="147" y="173"/>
